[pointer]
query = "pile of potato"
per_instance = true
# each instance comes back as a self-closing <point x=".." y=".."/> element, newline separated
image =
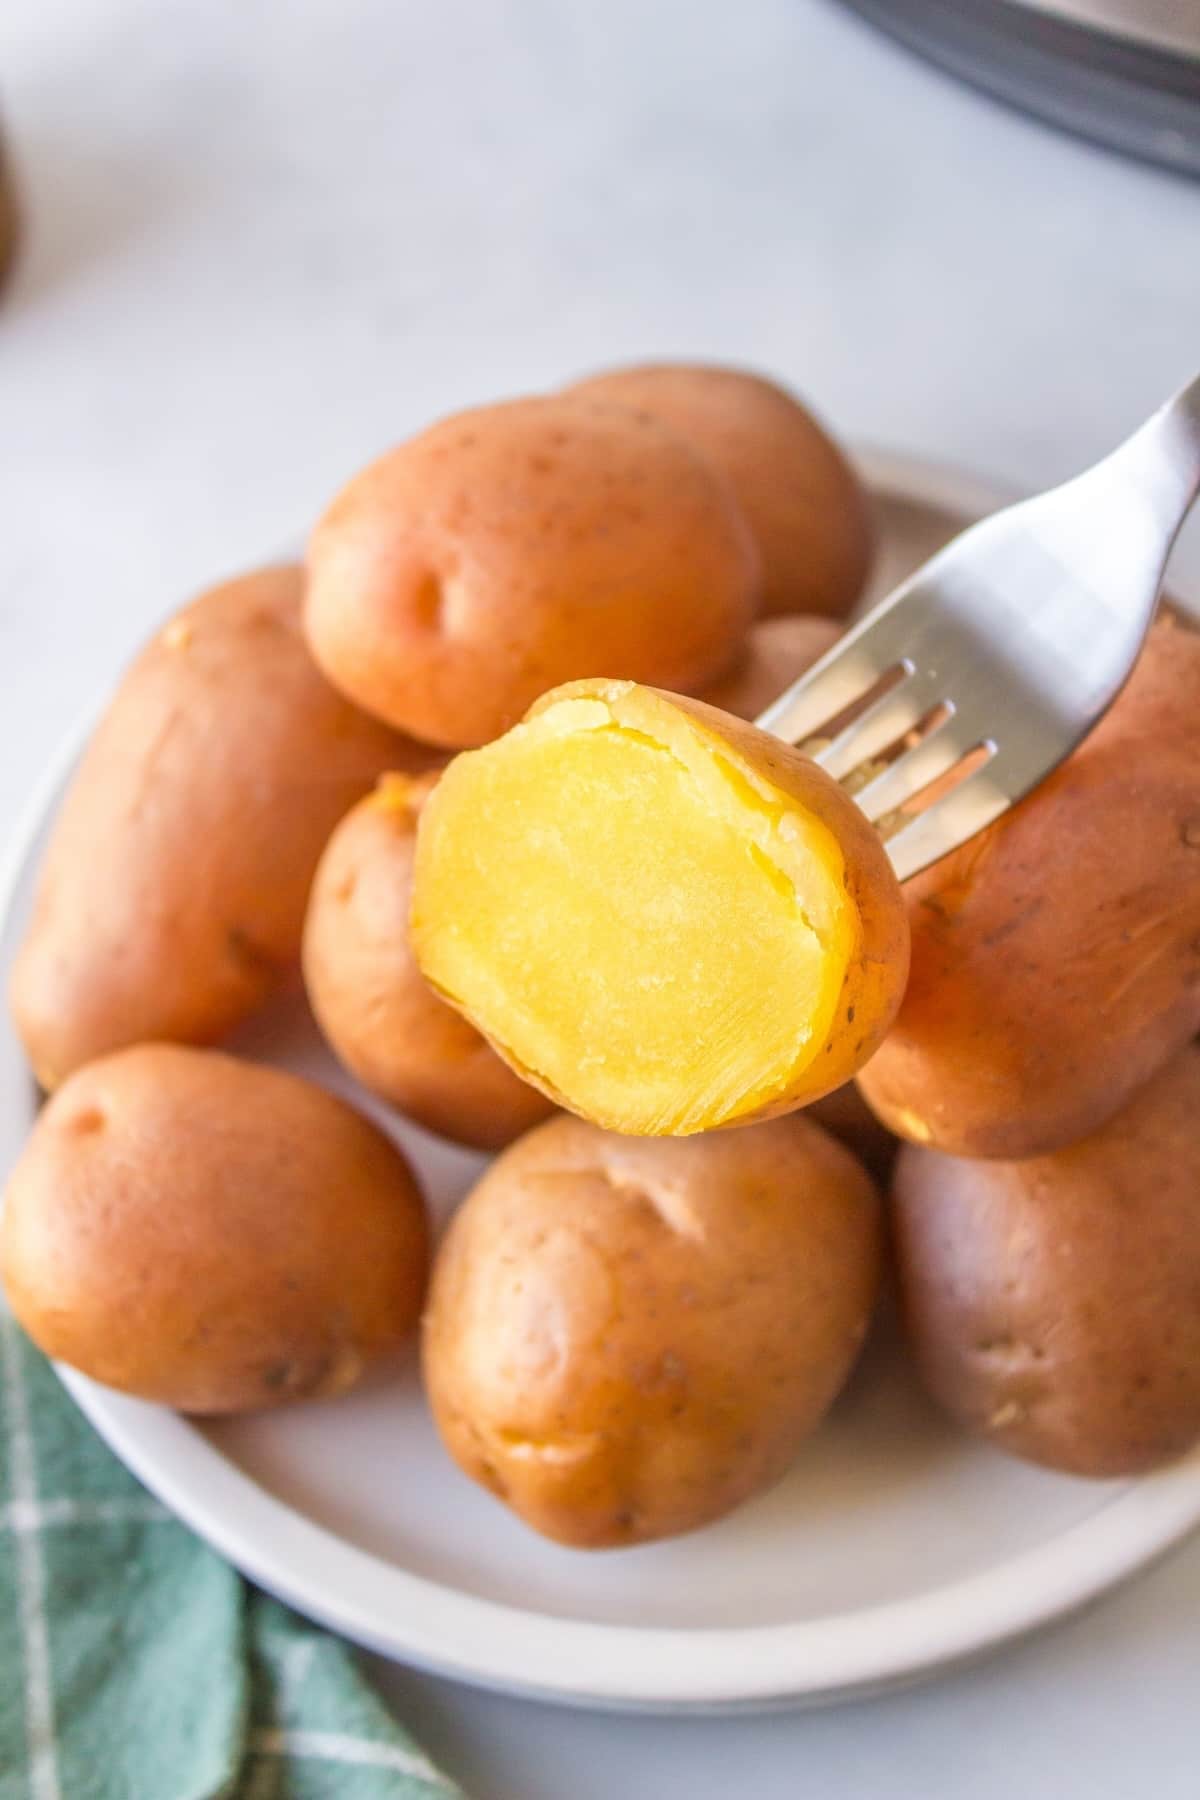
<point x="623" y="1336"/>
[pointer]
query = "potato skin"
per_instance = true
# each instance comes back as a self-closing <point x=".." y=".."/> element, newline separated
<point x="628" y="1337"/>
<point x="776" y="653"/>
<point x="1056" y="958"/>
<point x="381" y="1017"/>
<point x="804" y="503"/>
<point x="211" y="1235"/>
<point x="1054" y="1304"/>
<point x="171" y="901"/>
<point x="517" y="546"/>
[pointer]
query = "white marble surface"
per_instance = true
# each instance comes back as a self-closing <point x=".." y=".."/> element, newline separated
<point x="269" y="236"/>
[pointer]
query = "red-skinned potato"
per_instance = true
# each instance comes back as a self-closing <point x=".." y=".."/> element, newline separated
<point x="667" y="920"/>
<point x="211" y="1235"/>
<point x="514" y="547"/>
<point x="626" y="1338"/>
<point x="378" y="1012"/>
<point x="1056" y="957"/>
<point x="1054" y="1304"/>
<point x="808" y="512"/>
<point x="171" y="900"/>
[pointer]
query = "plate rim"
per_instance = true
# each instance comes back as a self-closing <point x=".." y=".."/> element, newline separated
<point x="578" y="1662"/>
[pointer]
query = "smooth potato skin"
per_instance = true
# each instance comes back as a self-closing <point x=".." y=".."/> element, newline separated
<point x="171" y="900"/>
<point x="517" y="546"/>
<point x="776" y="653"/>
<point x="1054" y="1304"/>
<point x="805" y="505"/>
<point x="628" y="1337"/>
<point x="381" y="1017"/>
<point x="1056" y="958"/>
<point x="211" y="1235"/>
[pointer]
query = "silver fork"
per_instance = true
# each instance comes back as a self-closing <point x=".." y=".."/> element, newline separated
<point x="984" y="670"/>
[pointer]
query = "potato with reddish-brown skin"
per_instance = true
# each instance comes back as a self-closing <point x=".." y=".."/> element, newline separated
<point x="171" y="899"/>
<point x="668" y="920"/>
<point x="804" y="503"/>
<point x="380" y="1015"/>
<point x="776" y="652"/>
<point x="1056" y="958"/>
<point x="517" y="546"/>
<point x="198" y="1231"/>
<point x="626" y="1338"/>
<point x="1054" y="1304"/>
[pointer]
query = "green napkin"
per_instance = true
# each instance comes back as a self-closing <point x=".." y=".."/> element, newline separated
<point x="135" y="1664"/>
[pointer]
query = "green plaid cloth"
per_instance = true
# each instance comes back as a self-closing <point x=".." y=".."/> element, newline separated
<point x="135" y="1664"/>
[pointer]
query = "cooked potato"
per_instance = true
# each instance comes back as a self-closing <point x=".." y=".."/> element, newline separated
<point x="1056" y="958"/>
<point x="664" y="918"/>
<point x="1054" y="1304"/>
<point x="804" y="503"/>
<point x="776" y="653"/>
<point x="626" y="1338"/>
<point x="518" y="546"/>
<point x="371" y="1000"/>
<point x="208" y="1234"/>
<point x="172" y="897"/>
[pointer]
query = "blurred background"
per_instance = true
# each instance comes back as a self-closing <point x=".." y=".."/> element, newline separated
<point x="262" y="241"/>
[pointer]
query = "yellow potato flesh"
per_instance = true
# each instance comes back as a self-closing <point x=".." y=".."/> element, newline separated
<point x="633" y="915"/>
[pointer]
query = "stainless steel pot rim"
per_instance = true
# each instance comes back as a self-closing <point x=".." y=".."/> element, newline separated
<point x="1170" y="25"/>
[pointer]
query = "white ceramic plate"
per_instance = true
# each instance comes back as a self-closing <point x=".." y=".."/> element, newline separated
<point x="894" y="1547"/>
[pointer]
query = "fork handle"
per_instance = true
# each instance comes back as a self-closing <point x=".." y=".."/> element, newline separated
<point x="1162" y="459"/>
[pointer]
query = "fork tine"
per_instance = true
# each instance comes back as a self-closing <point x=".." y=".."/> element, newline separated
<point x="938" y="751"/>
<point x="1024" y="628"/>
<point x="948" y="823"/>
<point x="886" y="720"/>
